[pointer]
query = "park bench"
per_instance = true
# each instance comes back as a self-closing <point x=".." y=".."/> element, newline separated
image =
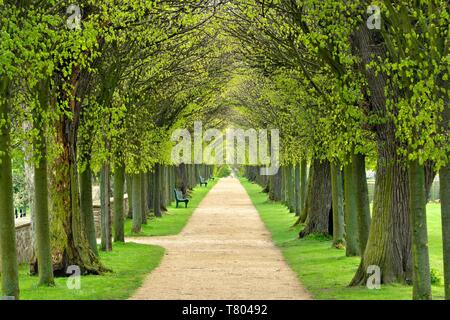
<point x="23" y="213"/>
<point x="203" y="181"/>
<point x="180" y="198"/>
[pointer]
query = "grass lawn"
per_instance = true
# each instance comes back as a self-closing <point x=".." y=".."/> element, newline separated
<point x="175" y="219"/>
<point x="129" y="262"/>
<point x="325" y="271"/>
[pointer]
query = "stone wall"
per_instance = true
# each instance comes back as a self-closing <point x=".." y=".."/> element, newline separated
<point x="24" y="234"/>
<point x="24" y="241"/>
<point x="97" y="215"/>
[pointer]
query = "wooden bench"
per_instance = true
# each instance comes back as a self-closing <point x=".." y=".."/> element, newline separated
<point x="180" y="198"/>
<point x="203" y="181"/>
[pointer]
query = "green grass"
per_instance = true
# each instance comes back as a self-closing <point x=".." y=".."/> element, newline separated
<point x="129" y="263"/>
<point x="175" y="219"/>
<point x="325" y="271"/>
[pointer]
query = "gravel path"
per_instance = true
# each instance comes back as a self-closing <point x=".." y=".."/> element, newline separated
<point x="224" y="252"/>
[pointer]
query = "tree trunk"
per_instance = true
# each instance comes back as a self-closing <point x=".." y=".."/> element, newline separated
<point x="318" y="200"/>
<point x="157" y="191"/>
<point x="297" y="190"/>
<point x="129" y="178"/>
<point x="137" y="214"/>
<point x="274" y="186"/>
<point x="283" y="184"/>
<point x="8" y="251"/>
<point x="183" y="180"/>
<point x="337" y="206"/>
<point x="163" y="187"/>
<point x="42" y="231"/>
<point x="106" y="241"/>
<point x="291" y="188"/>
<point x="69" y="242"/>
<point x="87" y="212"/>
<point x="444" y="180"/>
<point x="418" y="218"/>
<point x="150" y="190"/>
<point x="303" y="183"/>
<point x="119" y="179"/>
<point x="143" y="198"/>
<point x="277" y="186"/>
<point x="172" y="183"/>
<point x="362" y="200"/>
<point x="351" y="212"/>
<point x="389" y="242"/>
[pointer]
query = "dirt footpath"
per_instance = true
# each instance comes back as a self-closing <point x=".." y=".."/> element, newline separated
<point x="224" y="252"/>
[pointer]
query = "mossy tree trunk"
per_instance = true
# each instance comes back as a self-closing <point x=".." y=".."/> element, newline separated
<point x="444" y="190"/>
<point x="150" y="178"/>
<point x="157" y="191"/>
<point x="129" y="178"/>
<point x="362" y="200"/>
<point x="183" y="178"/>
<point x="351" y="212"/>
<point x="163" y="186"/>
<point x="42" y="224"/>
<point x="418" y="218"/>
<point x="291" y="188"/>
<point x="105" y="203"/>
<point x="297" y="190"/>
<point x="143" y="198"/>
<point x="8" y="251"/>
<point x="275" y="186"/>
<point x="444" y="180"/>
<point x="87" y="212"/>
<point x="303" y="182"/>
<point x="137" y="214"/>
<point x="318" y="200"/>
<point x="172" y="183"/>
<point x="389" y="241"/>
<point x="337" y="206"/>
<point x="119" y="180"/>
<point x="69" y="242"/>
<point x="283" y="185"/>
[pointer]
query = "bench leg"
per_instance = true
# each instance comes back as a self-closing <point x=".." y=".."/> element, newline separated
<point x="177" y="204"/>
<point x="186" y="203"/>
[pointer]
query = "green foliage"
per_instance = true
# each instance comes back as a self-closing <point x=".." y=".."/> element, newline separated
<point x="21" y="196"/>
<point x="223" y="171"/>
<point x="317" y="40"/>
<point x="436" y="277"/>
